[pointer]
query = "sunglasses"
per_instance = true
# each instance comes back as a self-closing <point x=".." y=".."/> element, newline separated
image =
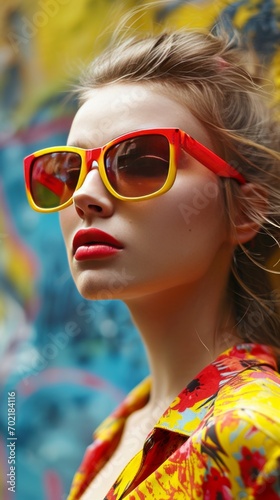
<point x="136" y="166"/>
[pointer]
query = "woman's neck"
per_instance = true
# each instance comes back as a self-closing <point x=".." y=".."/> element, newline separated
<point x="183" y="330"/>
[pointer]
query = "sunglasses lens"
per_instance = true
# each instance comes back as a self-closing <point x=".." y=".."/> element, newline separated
<point x="54" y="178"/>
<point x="138" y="166"/>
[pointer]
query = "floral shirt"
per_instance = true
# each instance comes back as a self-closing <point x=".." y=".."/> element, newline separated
<point x="218" y="440"/>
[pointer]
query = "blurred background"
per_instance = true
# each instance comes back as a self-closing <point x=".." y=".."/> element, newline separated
<point x="69" y="361"/>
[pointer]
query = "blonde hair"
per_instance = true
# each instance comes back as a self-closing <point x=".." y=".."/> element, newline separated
<point x="221" y="83"/>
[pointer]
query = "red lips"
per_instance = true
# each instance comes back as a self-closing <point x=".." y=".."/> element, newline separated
<point x="94" y="243"/>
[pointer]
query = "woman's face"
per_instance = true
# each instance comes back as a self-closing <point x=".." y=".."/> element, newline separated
<point x="172" y="241"/>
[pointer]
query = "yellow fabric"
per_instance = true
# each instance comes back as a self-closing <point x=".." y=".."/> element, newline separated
<point x="220" y="438"/>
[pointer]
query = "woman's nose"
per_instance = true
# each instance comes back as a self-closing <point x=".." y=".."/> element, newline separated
<point x="92" y="197"/>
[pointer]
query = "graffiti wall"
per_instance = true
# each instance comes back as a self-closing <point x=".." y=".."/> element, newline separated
<point x="65" y="363"/>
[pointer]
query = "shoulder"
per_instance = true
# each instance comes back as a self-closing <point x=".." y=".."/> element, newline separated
<point x="239" y="440"/>
<point x="253" y="395"/>
<point x="247" y="407"/>
<point x="234" y="452"/>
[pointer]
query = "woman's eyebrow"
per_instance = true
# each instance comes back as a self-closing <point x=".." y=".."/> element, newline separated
<point x="76" y="144"/>
<point x="80" y="144"/>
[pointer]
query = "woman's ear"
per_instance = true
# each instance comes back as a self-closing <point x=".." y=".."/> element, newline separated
<point x="249" y="213"/>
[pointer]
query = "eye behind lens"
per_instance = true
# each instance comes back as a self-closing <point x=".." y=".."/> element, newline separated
<point x="54" y="177"/>
<point x="139" y="166"/>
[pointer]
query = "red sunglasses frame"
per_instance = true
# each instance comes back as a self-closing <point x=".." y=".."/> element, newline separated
<point x="176" y="139"/>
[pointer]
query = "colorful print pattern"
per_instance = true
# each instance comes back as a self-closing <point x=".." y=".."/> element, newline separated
<point x="219" y="439"/>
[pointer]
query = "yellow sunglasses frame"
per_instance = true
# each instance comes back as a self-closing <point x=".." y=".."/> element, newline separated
<point x="176" y="139"/>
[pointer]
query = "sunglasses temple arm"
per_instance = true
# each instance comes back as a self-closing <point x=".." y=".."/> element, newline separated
<point x="210" y="160"/>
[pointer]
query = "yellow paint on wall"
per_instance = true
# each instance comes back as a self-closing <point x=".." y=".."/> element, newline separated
<point x="275" y="71"/>
<point x="201" y="14"/>
<point x="57" y="37"/>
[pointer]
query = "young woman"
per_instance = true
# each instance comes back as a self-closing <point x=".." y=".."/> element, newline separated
<point x="171" y="177"/>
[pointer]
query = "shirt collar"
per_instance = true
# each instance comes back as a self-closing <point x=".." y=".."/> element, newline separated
<point x="183" y="415"/>
<point x="192" y="404"/>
